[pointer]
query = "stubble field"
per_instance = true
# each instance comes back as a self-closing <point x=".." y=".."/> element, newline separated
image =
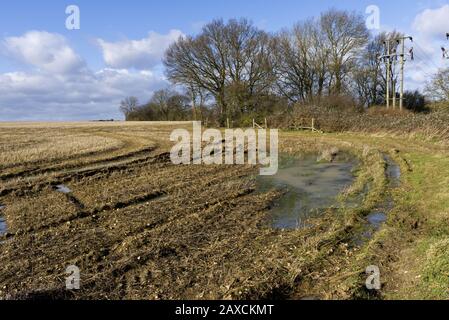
<point x="139" y="227"/>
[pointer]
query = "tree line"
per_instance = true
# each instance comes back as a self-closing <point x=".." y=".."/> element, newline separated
<point x="234" y="70"/>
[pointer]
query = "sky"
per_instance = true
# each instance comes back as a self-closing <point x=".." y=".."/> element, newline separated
<point x="51" y="73"/>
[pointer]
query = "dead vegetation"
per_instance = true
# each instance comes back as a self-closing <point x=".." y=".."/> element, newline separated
<point x="139" y="227"/>
<point x="430" y="126"/>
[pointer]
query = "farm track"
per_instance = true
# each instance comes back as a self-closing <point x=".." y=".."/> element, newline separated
<point x="84" y="217"/>
<point x="172" y="187"/>
<point x="60" y="176"/>
<point x="120" y="145"/>
<point x="65" y="167"/>
<point x="130" y="148"/>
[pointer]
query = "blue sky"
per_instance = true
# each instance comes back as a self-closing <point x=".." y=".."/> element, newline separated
<point x="114" y="53"/>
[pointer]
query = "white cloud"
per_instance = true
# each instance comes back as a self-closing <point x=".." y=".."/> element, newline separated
<point x="83" y="96"/>
<point x="139" y="54"/>
<point x="433" y="22"/>
<point x="46" y="51"/>
<point x="62" y="87"/>
<point x="429" y="30"/>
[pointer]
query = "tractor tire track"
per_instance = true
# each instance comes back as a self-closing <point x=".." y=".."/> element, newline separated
<point x="27" y="189"/>
<point x="42" y="171"/>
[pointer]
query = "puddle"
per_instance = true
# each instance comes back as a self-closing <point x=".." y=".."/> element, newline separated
<point x="309" y="188"/>
<point x="376" y="219"/>
<point x="62" y="188"/>
<point x="379" y="215"/>
<point x="3" y="226"/>
<point x="393" y="172"/>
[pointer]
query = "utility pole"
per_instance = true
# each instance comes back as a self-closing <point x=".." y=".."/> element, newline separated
<point x="402" y="41"/>
<point x="390" y="58"/>
<point x="387" y="57"/>
<point x="388" y="74"/>
<point x="393" y="82"/>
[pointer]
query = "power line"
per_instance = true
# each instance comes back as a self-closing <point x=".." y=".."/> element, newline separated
<point x="428" y="58"/>
<point x="422" y="60"/>
<point x="421" y="69"/>
<point x="424" y="67"/>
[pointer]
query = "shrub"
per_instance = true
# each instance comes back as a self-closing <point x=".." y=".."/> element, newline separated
<point x="415" y="101"/>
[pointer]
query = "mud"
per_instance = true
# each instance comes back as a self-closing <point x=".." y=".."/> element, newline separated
<point x="375" y="219"/>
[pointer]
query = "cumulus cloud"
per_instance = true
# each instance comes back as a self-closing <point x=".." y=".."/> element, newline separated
<point x="46" y="51"/>
<point x="433" y="22"/>
<point x="429" y="30"/>
<point x="138" y="54"/>
<point x="84" y="96"/>
<point x="61" y="86"/>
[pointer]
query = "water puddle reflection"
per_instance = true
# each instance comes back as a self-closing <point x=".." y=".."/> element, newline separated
<point x="309" y="187"/>
<point x="3" y="226"/>
<point x="379" y="215"/>
<point x="63" y="189"/>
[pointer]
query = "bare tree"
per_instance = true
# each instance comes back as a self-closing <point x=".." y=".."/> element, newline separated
<point x="369" y="76"/>
<point x="128" y="106"/>
<point x="249" y="63"/>
<point x="231" y="61"/>
<point x="198" y="97"/>
<point x="438" y="87"/>
<point x="319" y="54"/>
<point x="200" y="62"/>
<point x="346" y="35"/>
<point x="169" y="105"/>
<point x="301" y="61"/>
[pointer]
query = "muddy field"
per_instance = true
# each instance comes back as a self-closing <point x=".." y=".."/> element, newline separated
<point x="106" y="198"/>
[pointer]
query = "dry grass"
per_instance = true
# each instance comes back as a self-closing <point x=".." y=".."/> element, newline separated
<point x="49" y="146"/>
<point x="140" y="227"/>
<point x="430" y="127"/>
